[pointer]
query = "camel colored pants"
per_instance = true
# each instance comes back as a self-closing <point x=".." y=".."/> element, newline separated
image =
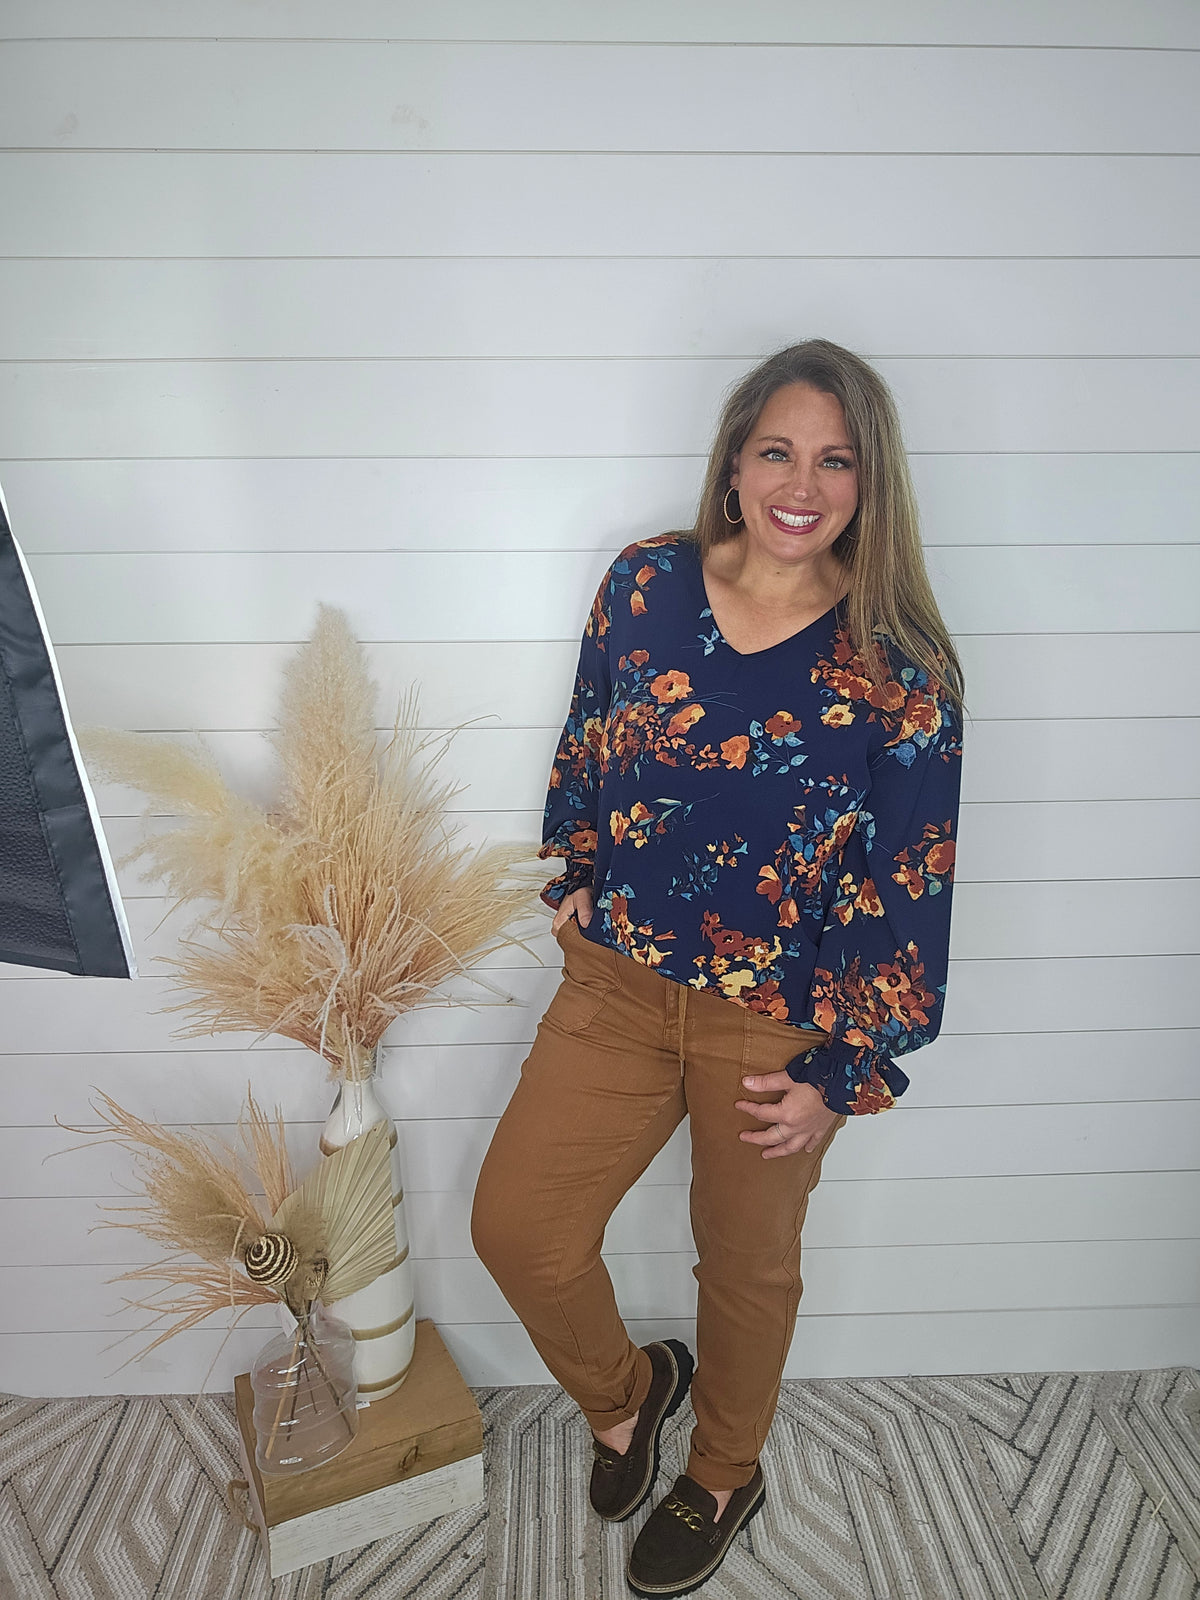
<point x="621" y="1056"/>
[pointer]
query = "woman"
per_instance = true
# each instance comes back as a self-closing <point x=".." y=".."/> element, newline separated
<point x="755" y="795"/>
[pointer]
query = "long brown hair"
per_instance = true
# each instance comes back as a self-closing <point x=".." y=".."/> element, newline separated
<point x="890" y="597"/>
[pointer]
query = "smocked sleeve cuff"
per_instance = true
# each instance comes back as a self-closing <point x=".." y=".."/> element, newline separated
<point x="853" y="1081"/>
<point x="576" y="875"/>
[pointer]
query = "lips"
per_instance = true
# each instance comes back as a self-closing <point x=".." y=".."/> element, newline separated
<point x="793" y="521"/>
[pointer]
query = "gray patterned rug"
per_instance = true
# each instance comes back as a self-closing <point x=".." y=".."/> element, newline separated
<point x="1032" y="1487"/>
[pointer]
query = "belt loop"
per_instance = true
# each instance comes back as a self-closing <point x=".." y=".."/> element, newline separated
<point x="682" y="1019"/>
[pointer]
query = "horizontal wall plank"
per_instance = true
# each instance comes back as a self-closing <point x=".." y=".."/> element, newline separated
<point x="991" y="1141"/>
<point x="71" y="1231"/>
<point x="94" y="506"/>
<point x="125" y="310"/>
<point x="861" y="1282"/>
<point x="500" y="1353"/>
<point x="1060" y="842"/>
<point x="434" y="95"/>
<point x="946" y="1342"/>
<point x="432" y="1081"/>
<point x="549" y="408"/>
<point x="1078" y="23"/>
<point x="239" y="204"/>
<point x="1064" y="995"/>
<point x="446" y="596"/>
<point x="1053" y="760"/>
<point x="826" y="1347"/>
<point x="867" y="1281"/>
<point x="160" y="687"/>
<point x="992" y="922"/>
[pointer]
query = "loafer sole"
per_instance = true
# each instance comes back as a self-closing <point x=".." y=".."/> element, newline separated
<point x="683" y="1379"/>
<point x="668" y="1591"/>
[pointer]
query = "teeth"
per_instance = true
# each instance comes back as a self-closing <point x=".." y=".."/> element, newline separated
<point x="796" y="519"/>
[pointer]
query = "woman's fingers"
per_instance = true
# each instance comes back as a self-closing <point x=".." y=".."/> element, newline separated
<point x="770" y="1080"/>
<point x="781" y="1138"/>
<point x="762" y="1109"/>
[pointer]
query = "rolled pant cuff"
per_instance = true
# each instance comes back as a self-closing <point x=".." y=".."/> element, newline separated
<point x="602" y="1421"/>
<point x="713" y="1475"/>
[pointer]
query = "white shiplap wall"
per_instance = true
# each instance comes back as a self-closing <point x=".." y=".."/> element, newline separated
<point x="425" y="309"/>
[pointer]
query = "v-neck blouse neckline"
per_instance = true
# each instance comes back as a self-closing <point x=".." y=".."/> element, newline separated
<point x="707" y="611"/>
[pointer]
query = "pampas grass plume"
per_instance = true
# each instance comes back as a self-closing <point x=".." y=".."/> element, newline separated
<point x="346" y="903"/>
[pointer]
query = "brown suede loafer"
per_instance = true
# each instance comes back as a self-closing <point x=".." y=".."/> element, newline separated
<point x="620" y="1482"/>
<point x="681" y="1543"/>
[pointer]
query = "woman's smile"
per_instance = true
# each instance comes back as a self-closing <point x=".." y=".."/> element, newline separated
<point x="793" y="521"/>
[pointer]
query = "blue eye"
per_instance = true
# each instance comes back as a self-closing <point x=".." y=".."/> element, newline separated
<point x="774" y="450"/>
<point x="837" y="461"/>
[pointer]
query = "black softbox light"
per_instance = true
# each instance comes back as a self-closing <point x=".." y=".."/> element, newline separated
<point x="59" y="903"/>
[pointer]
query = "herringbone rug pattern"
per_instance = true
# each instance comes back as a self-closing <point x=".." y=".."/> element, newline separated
<point x="1032" y="1487"/>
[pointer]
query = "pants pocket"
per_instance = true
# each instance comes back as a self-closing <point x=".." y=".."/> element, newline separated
<point x="589" y="981"/>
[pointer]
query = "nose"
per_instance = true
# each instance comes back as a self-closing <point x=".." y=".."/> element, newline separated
<point x="802" y="481"/>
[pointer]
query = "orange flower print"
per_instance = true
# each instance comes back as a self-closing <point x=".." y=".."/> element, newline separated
<point x="837" y="716"/>
<point x="939" y="858"/>
<point x="824" y="1014"/>
<point x="683" y="720"/>
<point x="782" y="722"/>
<point x="771" y="884"/>
<point x="582" y="840"/>
<point x="867" y="900"/>
<point x="637" y="603"/>
<point x="645" y="575"/>
<point x="923" y="715"/>
<point x="929" y="863"/>
<point x="597" y="622"/>
<point x="735" y="751"/>
<point x="671" y="686"/>
<point x="616" y="907"/>
<point x="872" y="1095"/>
<point x="901" y="983"/>
<point x="889" y="696"/>
<point x="620" y="825"/>
<point x="639" y="658"/>
<point x="843" y="906"/>
<point x="909" y="878"/>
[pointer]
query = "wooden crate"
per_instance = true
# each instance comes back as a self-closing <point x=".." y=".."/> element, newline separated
<point x="418" y="1455"/>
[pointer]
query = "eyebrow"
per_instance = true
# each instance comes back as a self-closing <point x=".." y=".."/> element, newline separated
<point x="781" y="438"/>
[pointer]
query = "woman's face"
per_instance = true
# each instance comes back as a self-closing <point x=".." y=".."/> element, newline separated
<point x="797" y="476"/>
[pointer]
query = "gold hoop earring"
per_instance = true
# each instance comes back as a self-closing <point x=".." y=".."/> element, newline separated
<point x="732" y="521"/>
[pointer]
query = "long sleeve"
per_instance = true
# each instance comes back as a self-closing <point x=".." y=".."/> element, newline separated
<point x="879" y="983"/>
<point x="572" y="801"/>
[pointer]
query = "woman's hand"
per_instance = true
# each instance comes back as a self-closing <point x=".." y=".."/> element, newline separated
<point x="580" y="902"/>
<point x="799" y="1120"/>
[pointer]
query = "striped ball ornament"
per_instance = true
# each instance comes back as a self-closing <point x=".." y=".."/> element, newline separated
<point x="272" y="1258"/>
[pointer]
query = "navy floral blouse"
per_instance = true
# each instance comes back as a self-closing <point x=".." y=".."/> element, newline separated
<point x="770" y="827"/>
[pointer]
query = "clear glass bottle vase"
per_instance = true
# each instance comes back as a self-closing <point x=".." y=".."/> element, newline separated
<point x="305" y="1395"/>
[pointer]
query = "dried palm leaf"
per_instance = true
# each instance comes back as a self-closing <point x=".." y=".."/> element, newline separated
<point x="349" y="1197"/>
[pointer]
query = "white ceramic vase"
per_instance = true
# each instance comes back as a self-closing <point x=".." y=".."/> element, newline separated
<point x="381" y="1316"/>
